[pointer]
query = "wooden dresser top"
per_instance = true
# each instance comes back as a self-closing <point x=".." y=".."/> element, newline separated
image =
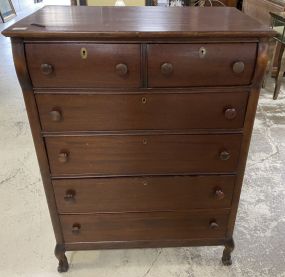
<point x="136" y="22"/>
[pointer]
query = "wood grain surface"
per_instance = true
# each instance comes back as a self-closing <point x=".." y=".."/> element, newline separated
<point x="137" y="154"/>
<point x="143" y="193"/>
<point x="137" y="111"/>
<point x="215" y="68"/>
<point x="98" y="69"/>
<point x="144" y="226"/>
<point x="137" y="22"/>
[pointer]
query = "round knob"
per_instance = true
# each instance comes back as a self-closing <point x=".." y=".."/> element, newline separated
<point x="230" y="113"/>
<point x="213" y="225"/>
<point x="219" y="194"/>
<point x="121" y="69"/>
<point x="55" y="115"/>
<point x="63" y="157"/>
<point x="69" y="195"/>
<point x="76" y="228"/>
<point x="46" y="68"/>
<point x="238" y="67"/>
<point x="166" y="68"/>
<point x="225" y="155"/>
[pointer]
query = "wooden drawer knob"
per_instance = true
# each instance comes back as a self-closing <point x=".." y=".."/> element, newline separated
<point x="46" y="69"/>
<point x="219" y="194"/>
<point x="166" y="68"/>
<point x="70" y="195"/>
<point x="213" y="225"/>
<point x="55" y="115"/>
<point x="230" y="113"/>
<point x="76" y="228"/>
<point x="238" y="67"/>
<point x="225" y="155"/>
<point x="121" y="69"/>
<point x="63" y="157"/>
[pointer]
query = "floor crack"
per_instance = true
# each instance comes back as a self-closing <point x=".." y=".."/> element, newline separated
<point x="9" y="178"/>
<point x="268" y="125"/>
<point x="265" y="159"/>
<point x="152" y="264"/>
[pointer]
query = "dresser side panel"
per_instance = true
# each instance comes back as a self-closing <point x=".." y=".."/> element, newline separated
<point x="30" y="103"/>
<point x="262" y="60"/>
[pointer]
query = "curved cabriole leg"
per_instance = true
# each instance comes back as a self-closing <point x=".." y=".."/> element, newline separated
<point x="59" y="252"/>
<point x="280" y="73"/>
<point x="229" y="248"/>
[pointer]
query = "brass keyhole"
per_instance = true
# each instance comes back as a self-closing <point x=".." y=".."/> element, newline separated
<point x="144" y="141"/>
<point x="83" y="53"/>
<point x="202" y="52"/>
<point x="144" y="100"/>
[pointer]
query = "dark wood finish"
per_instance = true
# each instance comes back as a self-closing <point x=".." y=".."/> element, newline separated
<point x="144" y="226"/>
<point x="103" y="112"/>
<point x="228" y="3"/>
<point x="31" y="106"/>
<point x="143" y="194"/>
<point x="260" y="10"/>
<point x="127" y="160"/>
<point x="59" y="252"/>
<point x="149" y="154"/>
<point x="229" y="248"/>
<point x="262" y="60"/>
<point x="106" y="65"/>
<point x="189" y="69"/>
<point x="75" y="246"/>
<point x="138" y="22"/>
<point x="280" y="72"/>
<point x="46" y="69"/>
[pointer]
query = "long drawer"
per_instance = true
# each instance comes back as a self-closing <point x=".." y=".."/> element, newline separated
<point x="144" y="226"/>
<point x="143" y="194"/>
<point x="141" y="111"/>
<point x="78" y="65"/>
<point x="137" y="154"/>
<point x="208" y="64"/>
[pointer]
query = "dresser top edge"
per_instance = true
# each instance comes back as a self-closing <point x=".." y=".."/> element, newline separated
<point x="137" y="22"/>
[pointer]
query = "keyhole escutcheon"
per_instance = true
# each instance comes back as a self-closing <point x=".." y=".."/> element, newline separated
<point x="83" y="53"/>
<point x="202" y="52"/>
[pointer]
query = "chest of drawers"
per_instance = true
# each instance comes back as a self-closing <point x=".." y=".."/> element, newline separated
<point x="141" y="119"/>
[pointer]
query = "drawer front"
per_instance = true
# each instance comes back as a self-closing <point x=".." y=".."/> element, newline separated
<point x="67" y="65"/>
<point x="183" y="65"/>
<point x="136" y="154"/>
<point x="144" y="226"/>
<point x="141" y="111"/>
<point x="143" y="194"/>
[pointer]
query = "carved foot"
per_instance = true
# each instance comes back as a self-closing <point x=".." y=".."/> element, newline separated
<point x="59" y="252"/>
<point x="229" y="248"/>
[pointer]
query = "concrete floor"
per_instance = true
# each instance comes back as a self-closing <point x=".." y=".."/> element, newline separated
<point x="26" y="236"/>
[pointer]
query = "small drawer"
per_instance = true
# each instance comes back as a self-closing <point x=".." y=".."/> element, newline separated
<point x="208" y="64"/>
<point x="144" y="226"/>
<point x="161" y="111"/>
<point x="137" y="154"/>
<point x="79" y="65"/>
<point x="143" y="194"/>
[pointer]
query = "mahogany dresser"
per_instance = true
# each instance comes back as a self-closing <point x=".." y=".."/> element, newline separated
<point x="141" y="119"/>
